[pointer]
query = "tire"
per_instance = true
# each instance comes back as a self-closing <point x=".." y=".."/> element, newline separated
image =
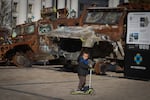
<point x="20" y="60"/>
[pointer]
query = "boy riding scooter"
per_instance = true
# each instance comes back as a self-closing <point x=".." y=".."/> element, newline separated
<point x="83" y="69"/>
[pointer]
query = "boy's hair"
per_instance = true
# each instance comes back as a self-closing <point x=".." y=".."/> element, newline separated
<point x="85" y="52"/>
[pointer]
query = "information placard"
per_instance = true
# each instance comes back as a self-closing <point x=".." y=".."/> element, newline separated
<point x="138" y="28"/>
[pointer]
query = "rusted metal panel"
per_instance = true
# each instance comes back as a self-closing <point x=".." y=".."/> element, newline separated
<point x="105" y="20"/>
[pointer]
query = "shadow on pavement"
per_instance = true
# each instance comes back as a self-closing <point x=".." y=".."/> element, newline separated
<point x="30" y="93"/>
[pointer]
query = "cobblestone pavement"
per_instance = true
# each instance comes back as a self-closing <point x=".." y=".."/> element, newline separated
<point x="51" y="83"/>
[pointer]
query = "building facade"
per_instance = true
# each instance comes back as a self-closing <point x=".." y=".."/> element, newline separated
<point x="5" y="13"/>
<point x="29" y="10"/>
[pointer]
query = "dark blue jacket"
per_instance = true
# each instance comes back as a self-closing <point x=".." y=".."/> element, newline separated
<point x="83" y="67"/>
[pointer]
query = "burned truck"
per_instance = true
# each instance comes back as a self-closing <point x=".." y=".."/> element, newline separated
<point x="26" y="43"/>
<point x="99" y="31"/>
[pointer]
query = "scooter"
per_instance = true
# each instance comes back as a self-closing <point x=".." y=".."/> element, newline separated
<point x="87" y="90"/>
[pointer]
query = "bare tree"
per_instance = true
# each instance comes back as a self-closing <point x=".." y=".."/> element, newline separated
<point x="5" y="13"/>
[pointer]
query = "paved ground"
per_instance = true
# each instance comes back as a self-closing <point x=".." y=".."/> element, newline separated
<point x="49" y="83"/>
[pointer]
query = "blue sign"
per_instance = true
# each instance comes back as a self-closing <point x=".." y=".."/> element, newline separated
<point x="138" y="58"/>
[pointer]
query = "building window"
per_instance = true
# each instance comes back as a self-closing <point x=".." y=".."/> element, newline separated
<point x="65" y="3"/>
<point x="43" y="3"/>
<point x="14" y="20"/>
<point x="30" y="8"/>
<point x="81" y="6"/>
<point x="43" y="6"/>
<point x="15" y="6"/>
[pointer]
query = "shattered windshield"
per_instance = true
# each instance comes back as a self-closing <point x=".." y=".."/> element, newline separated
<point x="44" y="28"/>
<point x="29" y="29"/>
<point x="103" y="17"/>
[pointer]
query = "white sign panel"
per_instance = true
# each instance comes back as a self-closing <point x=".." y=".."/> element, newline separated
<point x="138" y="28"/>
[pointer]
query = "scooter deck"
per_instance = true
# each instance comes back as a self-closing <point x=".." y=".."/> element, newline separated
<point x="87" y="92"/>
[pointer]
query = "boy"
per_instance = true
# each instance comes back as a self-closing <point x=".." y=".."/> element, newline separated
<point x="83" y="69"/>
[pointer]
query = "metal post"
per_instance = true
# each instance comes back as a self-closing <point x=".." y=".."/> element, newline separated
<point x="90" y="79"/>
<point x="11" y="13"/>
<point x="27" y="11"/>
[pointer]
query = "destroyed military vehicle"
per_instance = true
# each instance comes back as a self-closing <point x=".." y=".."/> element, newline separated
<point x="99" y="32"/>
<point x="26" y="44"/>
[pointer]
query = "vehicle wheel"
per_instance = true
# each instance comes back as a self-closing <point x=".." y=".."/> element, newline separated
<point x="20" y="60"/>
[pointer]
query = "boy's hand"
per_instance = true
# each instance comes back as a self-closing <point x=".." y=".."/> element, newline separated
<point x="91" y="63"/>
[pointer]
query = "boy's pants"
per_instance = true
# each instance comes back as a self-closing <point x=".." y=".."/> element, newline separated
<point x="82" y="82"/>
